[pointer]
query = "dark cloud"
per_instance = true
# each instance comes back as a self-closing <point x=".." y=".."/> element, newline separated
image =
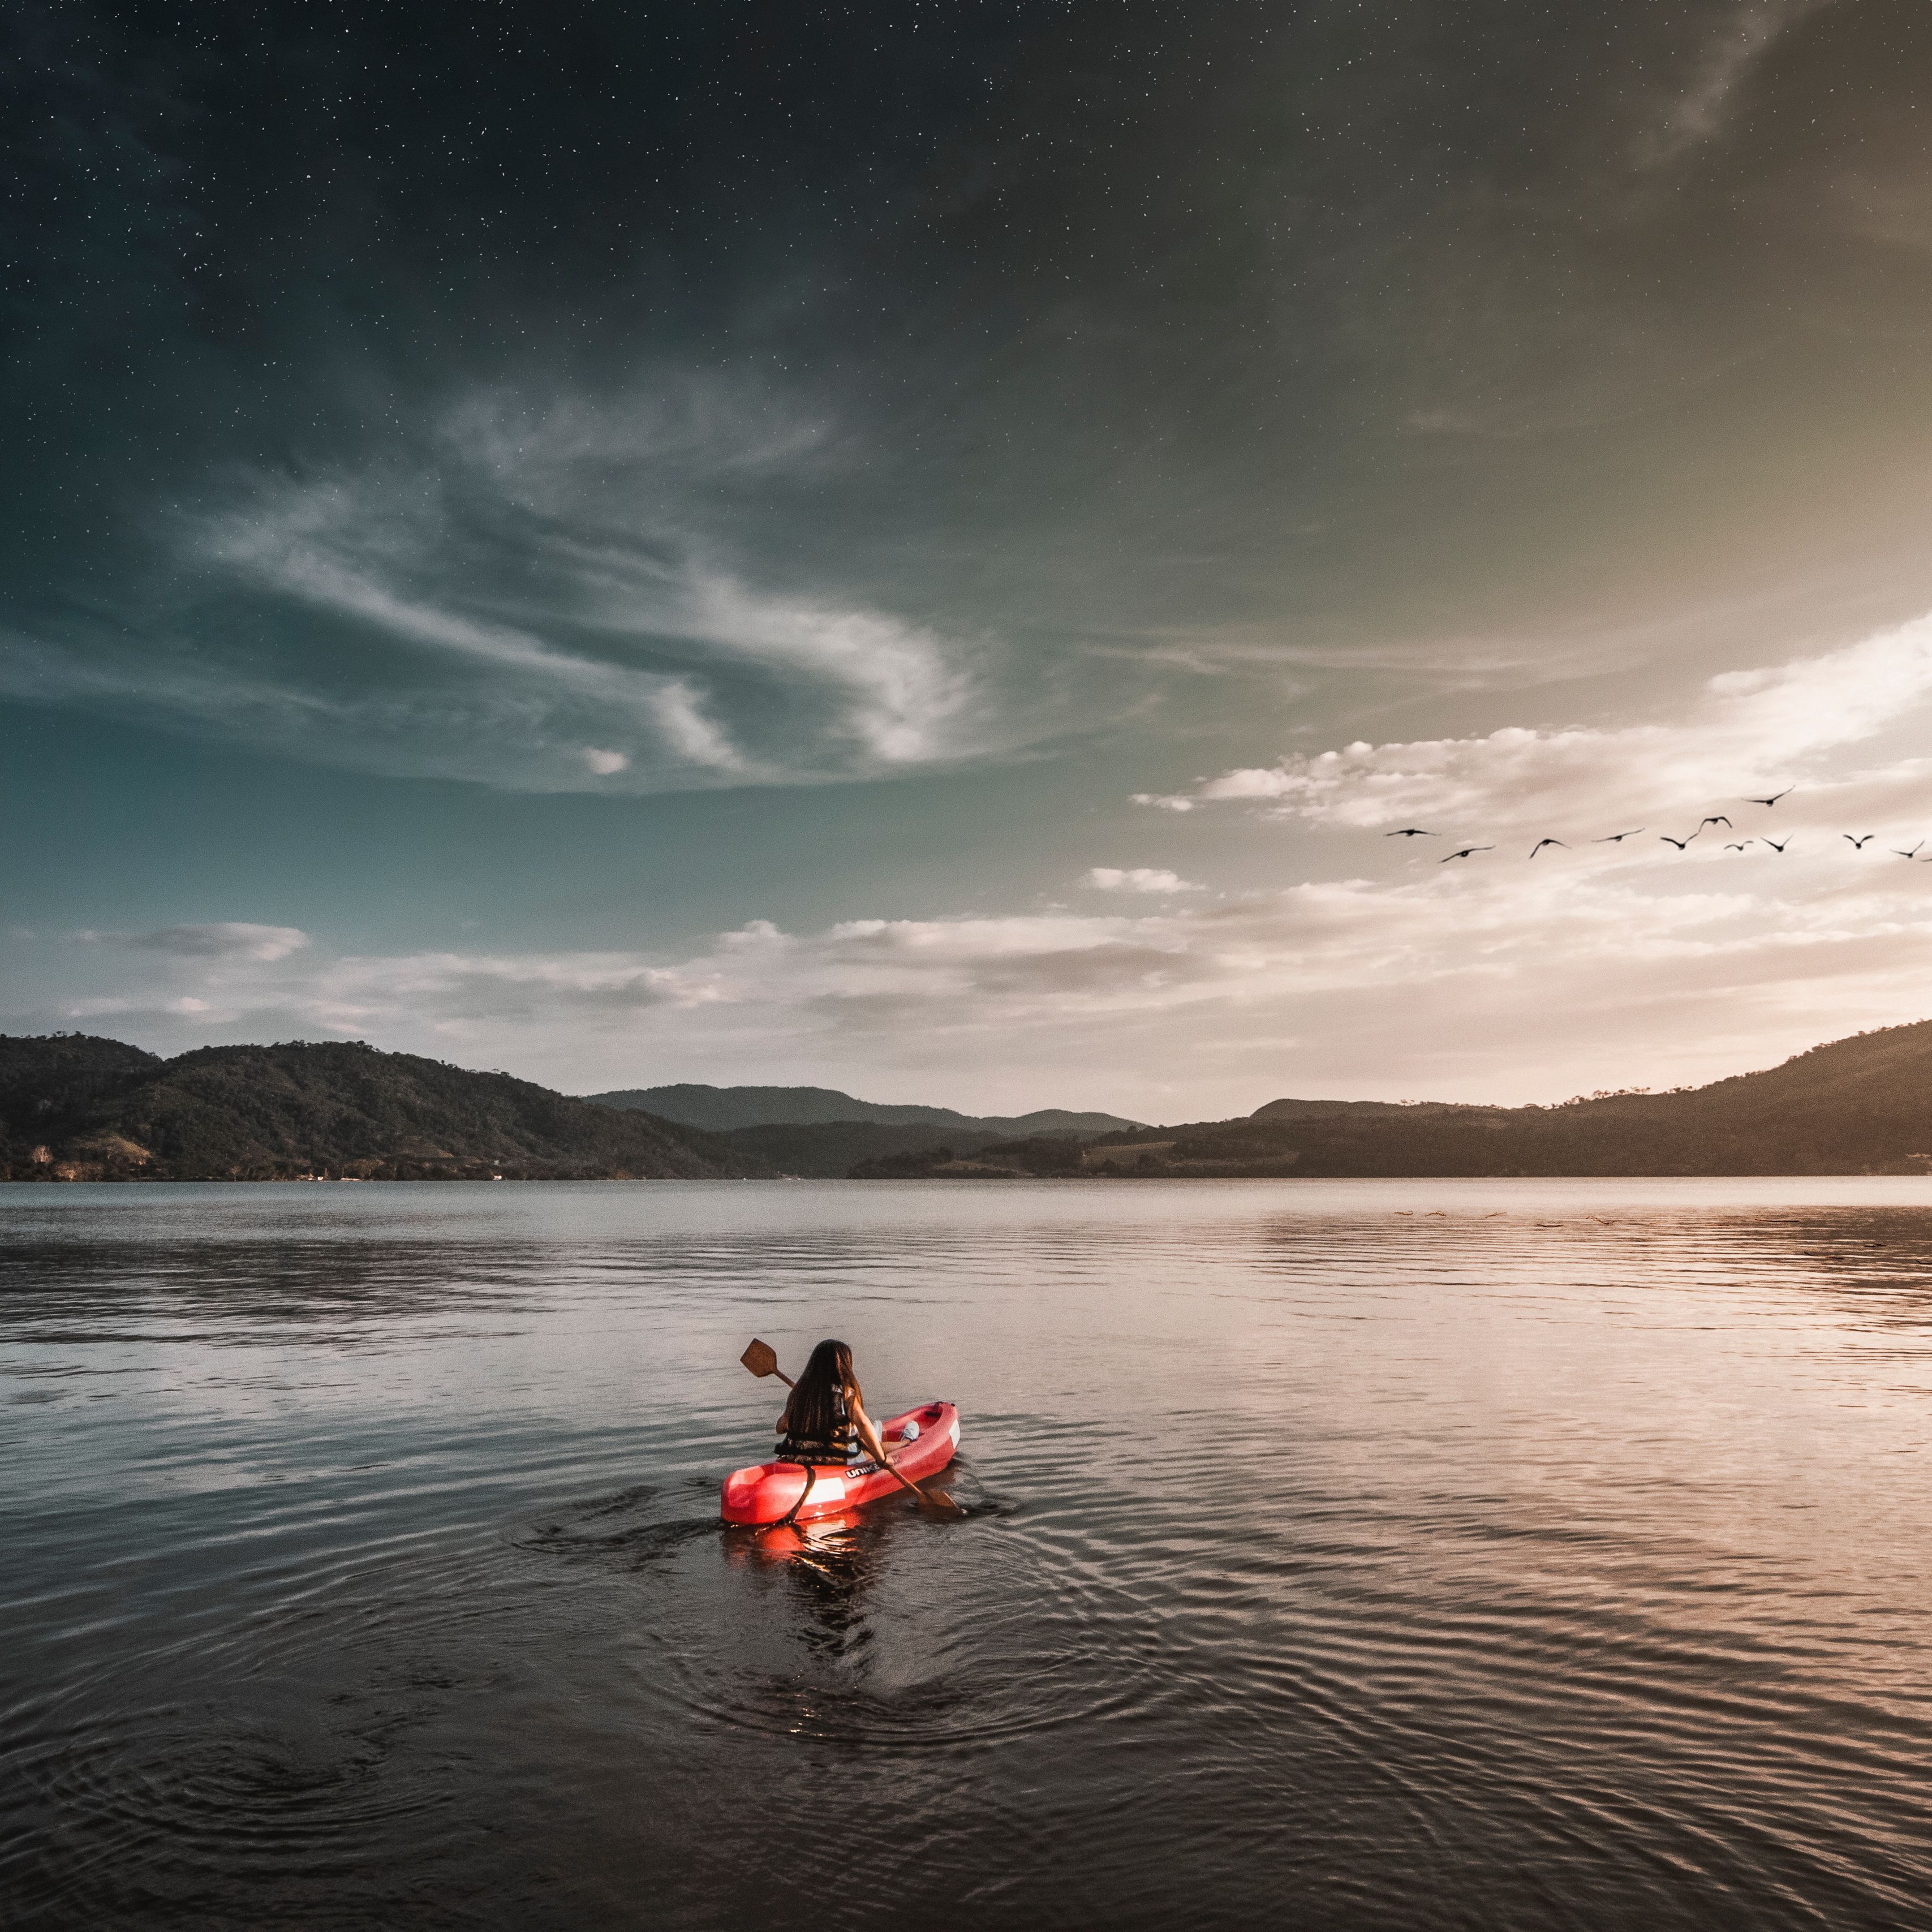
<point x="1059" y="326"/>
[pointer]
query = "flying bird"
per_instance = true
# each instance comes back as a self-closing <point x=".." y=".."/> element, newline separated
<point x="1465" y="853"/>
<point x="1777" y="844"/>
<point x="1857" y="844"/>
<point x="1912" y="854"/>
<point x="1738" y="847"/>
<point x="1679" y="843"/>
<point x="1541" y="842"/>
<point x="1411" y="832"/>
<point x="1773" y="798"/>
<point x="1616" y="837"/>
<point x="1719" y="820"/>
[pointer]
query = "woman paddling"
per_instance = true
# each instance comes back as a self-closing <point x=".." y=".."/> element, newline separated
<point x="825" y="1423"/>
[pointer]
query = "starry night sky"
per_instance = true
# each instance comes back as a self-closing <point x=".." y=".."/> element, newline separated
<point x="921" y="548"/>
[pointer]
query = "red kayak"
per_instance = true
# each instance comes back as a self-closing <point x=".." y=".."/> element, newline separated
<point x="767" y="1492"/>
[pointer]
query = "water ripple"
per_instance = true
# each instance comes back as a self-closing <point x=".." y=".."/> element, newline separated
<point x="1471" y="1554"/>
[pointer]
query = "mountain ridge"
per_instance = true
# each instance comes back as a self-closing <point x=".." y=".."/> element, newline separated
<point x="722" y="1109"/>
<point x="1862" y="1104"/>
<point x="78" y="1107"/>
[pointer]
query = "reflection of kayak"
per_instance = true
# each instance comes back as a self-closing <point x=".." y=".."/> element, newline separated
<point x="765" y="1492"/>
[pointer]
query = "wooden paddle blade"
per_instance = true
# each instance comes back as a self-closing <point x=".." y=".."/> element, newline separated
<point x="761" y="1358"/>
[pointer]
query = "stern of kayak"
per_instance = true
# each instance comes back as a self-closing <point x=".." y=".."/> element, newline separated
<point x="768" y="1492"/>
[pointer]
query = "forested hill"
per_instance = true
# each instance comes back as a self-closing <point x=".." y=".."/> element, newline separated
<point x="76" y="1108"/>
<point x="722" y="1109"/>
<point x="1854" y="1106"/>
<point x="1861" y="1105"/>
<point x="73" y="1107"/>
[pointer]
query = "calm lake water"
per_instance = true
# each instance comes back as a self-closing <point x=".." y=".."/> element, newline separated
<point x="1409" y="1554"/>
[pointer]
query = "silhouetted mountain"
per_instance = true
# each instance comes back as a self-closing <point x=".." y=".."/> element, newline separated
<point x="1861" y="1105"/>
<point x="50" y="1074"/>
<point x="74" y="1107"/>
<point x="720" y="1109"/>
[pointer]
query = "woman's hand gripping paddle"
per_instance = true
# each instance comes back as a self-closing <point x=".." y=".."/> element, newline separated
<point x="762" y="1359"/>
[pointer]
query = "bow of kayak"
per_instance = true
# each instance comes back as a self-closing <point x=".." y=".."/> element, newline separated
<point x="767" y="1492"/>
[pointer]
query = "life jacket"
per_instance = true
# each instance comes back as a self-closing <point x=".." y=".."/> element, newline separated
<point x="839" y="1448"/>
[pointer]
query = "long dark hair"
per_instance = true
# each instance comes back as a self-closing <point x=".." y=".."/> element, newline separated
<point x="812" y="1413"/>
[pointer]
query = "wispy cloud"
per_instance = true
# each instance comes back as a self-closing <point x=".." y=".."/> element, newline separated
<point x="1138" y="879"/>
<point x="716" y="680"/>
<point x="1696" y="111"/>
<point x="907" y="697"/>
<point x="229" y="940"/>
<point x="1749" y="732"/>
<point x="536" y="598"/>
<point x="1518" y="982"/>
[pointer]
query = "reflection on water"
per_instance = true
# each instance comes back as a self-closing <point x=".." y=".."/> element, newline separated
<point x="1483" y="1554"/>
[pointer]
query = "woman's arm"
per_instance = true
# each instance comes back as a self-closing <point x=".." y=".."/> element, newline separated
<point x="869" y="1438"/>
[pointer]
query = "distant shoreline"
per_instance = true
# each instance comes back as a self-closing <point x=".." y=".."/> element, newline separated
<point x="1305" y="1179"/>
<point x="78" y="1107"/>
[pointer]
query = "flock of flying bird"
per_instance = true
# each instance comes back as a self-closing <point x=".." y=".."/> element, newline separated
<point x="1858" y="843"/>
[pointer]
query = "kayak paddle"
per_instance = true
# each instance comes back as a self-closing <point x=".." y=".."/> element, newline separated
<point x="762" y="1359"/>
